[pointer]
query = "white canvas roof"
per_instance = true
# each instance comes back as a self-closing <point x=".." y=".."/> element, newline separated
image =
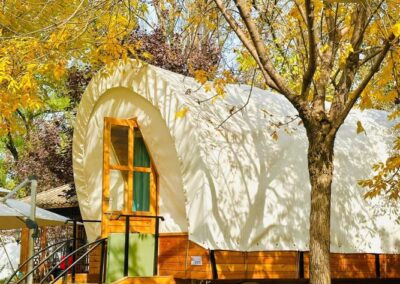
<point x="233" y="187"/>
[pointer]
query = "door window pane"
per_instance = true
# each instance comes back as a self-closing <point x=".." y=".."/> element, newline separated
<point x="119" y="145"/>
<point x="141" y="191"/>
<point x="141" y="156"/>
<point x="118" y="183"/>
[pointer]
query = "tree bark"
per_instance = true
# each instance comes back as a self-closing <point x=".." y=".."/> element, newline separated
<point x="320" y="164"/>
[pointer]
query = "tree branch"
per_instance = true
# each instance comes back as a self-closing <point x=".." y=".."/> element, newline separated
<point x="357" y="92"/>
<point x="346" y="80"/>
<point x="244" y="105"/>
<point x="246" y="42"/>
<point x="11" y="145"/>
<point x="255" y="36"/>
<point x="312" y="54"/>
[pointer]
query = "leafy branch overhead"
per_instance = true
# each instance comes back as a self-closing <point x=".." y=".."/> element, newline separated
<point x="49" y="52"/>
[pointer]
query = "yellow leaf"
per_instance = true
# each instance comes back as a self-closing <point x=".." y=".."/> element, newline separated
<point x="274" y="135"/>
<point x="360" y="128"/>
<point x="201" y="76"/>
<point x="344" y="55"/>
<point x="181" y="113"/>
<point x="396" y="30"/>
<point x="324" y="48"/>
<point x="147" y="55"/>
<point x="59" y="71"/>
<point x="207" y="87"/>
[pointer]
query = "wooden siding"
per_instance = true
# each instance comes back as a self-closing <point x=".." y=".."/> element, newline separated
<point x="175" y="252"/>
<point x="175" y="255"/>
<point x="348" y="265"/>
<point x="256" y="265"/>
<point x="94" y="264"/>
<point x="276" y="264"/>
<point x="390" y="265"/>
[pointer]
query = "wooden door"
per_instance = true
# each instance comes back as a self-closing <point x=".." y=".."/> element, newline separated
<point x="129" y="179"/>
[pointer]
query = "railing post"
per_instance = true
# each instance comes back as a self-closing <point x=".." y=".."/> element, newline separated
<point x="156" y="235"/>
<point x="74" y="244"/>
<point x="32" y="231"/>
<point x="126" y="256"/>
<point x="102" y="262"/>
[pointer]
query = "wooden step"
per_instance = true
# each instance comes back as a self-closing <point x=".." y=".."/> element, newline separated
<point x="79" y="278"/>
<point x="146" y="280"/>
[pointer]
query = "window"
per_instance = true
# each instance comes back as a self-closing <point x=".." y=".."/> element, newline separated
<point x="129" y="185"/>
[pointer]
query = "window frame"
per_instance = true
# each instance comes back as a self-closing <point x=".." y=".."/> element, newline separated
<point x="130" y="169"/>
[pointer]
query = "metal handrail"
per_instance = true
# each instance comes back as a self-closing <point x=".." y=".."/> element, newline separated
<point x="41" y="262"/>
<point x="35" y="255"/>
<point x="65" y="271"/>
<point x="95" y="244"/>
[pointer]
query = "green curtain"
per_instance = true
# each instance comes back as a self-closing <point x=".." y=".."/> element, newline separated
<point x="141" y="181"/>
<point x="141" y="156"/>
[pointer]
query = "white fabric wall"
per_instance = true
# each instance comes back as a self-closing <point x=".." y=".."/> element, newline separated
<point x="234" y="187"/>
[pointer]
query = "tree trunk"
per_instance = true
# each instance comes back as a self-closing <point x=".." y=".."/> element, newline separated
<point x="320" y="165"/>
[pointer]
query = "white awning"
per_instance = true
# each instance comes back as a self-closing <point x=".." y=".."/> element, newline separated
<point x="14" y="213"/>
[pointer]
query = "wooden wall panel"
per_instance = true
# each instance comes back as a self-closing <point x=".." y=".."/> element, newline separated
<point x="278" y="264"/>
<point x="256" y="265"/>
<point x="230" y="264"/>
<point x="175" y="255"/>
<point x="198" y="271"/>
<point x="94" y="262"/>
<point x="172" y="254"/>
<point x="390" y="265"/>
<point x="176" y="252"/>
<point x="348" y="265"/>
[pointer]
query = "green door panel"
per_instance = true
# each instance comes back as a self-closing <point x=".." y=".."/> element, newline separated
<point x="141" y="255"/>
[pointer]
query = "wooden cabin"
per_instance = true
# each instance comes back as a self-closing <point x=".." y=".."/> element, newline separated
<point x="234" y="197"/>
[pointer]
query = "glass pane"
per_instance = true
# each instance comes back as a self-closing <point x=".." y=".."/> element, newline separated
<point x="119" y="145"/>
<point x="118" y="183"/>
<point x="141" y="156"/>
<point x="141" y="191"/>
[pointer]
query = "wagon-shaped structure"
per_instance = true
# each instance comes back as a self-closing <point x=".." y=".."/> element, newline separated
<point x="234" y="197"/>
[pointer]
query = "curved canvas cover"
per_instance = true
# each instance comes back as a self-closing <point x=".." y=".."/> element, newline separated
<point x="243" y="185"/>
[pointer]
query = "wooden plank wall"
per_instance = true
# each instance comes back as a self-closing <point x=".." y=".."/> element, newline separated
<point x="348" y="265"/>
<point x="390" y="265"/>
<point x="94" y="265"/>
<point x="175" y="256"/>
<point x="256" y="265"/>
<point x="278" y="264"/>
<point x="175" y="252"/>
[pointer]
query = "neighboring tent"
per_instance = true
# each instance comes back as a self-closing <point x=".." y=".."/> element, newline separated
<point x="234" y="187"/>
